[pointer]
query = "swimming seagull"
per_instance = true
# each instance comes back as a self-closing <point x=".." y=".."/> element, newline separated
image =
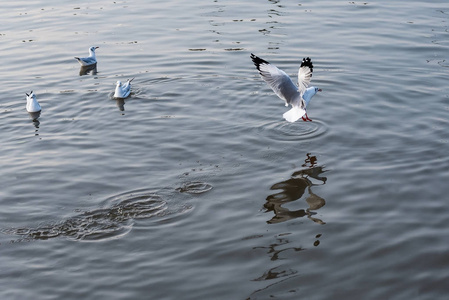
<point x="87" y="61"/>
<point x="297" y="96"/>
<point x="32" y="104"/>
<point x="123" y="90"/>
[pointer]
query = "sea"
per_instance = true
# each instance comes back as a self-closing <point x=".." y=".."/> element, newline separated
<point x="195" y="187"/>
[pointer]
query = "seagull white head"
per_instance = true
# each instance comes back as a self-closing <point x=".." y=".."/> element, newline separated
<point x="118" y="83"/>
<point x="92" y="49"/>
<point x="316" y="90"/>
<point x="30" y="96"/>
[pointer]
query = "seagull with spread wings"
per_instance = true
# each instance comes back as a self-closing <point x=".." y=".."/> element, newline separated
<point x="297" y="96"/>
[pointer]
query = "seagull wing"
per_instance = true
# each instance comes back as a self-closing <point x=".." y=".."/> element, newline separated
<point x="304" y="74"/>
<point x="277" y="79"/>
<point x="126" y="90"/>
<point x="125" y="86"/>
<point x="89" y="60"/>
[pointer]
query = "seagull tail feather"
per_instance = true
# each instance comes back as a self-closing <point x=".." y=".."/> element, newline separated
<point x="294" y="114"/>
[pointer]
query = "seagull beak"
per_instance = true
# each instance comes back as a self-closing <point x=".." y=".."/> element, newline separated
<point x="97" y="47"/>
<point x="320" y="90"/>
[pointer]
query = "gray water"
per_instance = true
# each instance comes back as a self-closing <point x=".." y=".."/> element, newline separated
<point x="195" y="187"/>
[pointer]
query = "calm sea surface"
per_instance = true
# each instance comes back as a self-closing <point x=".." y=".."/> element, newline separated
<point x="195" y="187"/>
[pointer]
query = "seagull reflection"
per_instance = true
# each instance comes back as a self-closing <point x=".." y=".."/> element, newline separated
<point x="34" y="117"/>
<point x="293" y="189"/>
<point x="84" y="70"/>
<point x="120" y="104"/>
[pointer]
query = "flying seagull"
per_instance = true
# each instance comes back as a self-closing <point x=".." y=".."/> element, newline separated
<point x="87" y="61"/>
<point x="297" y="96"/>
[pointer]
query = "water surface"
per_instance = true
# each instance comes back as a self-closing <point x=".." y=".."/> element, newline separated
<point x="195" y="187"/>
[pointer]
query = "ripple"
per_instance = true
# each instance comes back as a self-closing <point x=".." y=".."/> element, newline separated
<point x="102" y="223"/>
<point x="195" y="187"/>
<point x="117" y="217"/>
<point x="135" y="205"/>
<point x="285" y="131"/>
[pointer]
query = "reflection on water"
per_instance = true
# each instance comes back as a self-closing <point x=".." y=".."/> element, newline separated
<point x="276" y="272"/>
<point x="293" y="189"/>
<point x="278" y="277"/>
<point x="84" y="70"/>
<point x="279" y="273"/>
<point x="273" y="249"/>
<point x="120" y="103"/>
<point x="34" y="117"/>
<point x="113" y="221"/>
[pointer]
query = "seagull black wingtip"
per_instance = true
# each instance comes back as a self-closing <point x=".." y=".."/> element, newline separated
<point x="258" y="61"/>
<point x="307" y="62"/>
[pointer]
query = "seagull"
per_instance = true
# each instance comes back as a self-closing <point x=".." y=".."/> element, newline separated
<point x="87" y="61"/>
<point x="123" y="90"/>
<point x="297" y="96"/>
<point x="32" y="104"/>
